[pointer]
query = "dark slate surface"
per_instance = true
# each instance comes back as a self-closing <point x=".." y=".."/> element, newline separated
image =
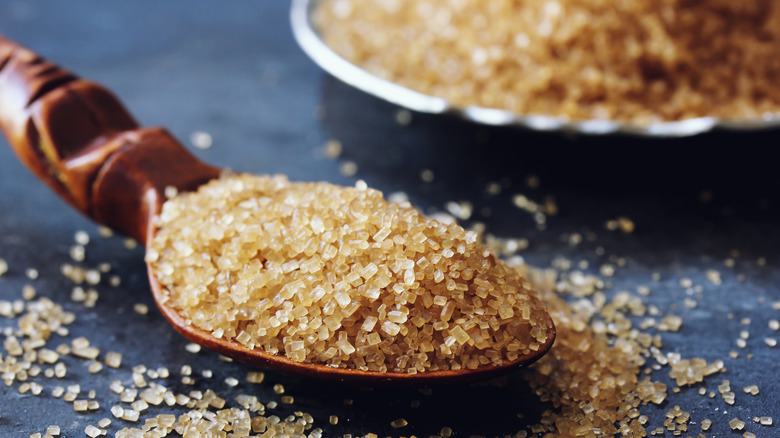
<point x="232" y="69"/>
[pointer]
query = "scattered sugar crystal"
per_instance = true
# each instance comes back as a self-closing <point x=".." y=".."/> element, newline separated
<point x="201" y="140"/>
<point x="93" y="431"/>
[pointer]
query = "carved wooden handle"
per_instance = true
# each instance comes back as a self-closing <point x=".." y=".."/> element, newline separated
<point x="76" y="136"/>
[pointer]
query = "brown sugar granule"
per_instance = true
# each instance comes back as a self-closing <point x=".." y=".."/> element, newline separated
<point x="255" y="377"/>
<point x="637" y="61"/>
<point x="339" y="276"/>
<point x="113" y="359"/>
<point x="201" y="140"/>
<point x="398" y="423"/>
<point x="92" y="431"/>
<point x="736" y="424"/>
<point x="332" y="149"/>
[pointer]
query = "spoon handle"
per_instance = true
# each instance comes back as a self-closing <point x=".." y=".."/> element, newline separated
<point x="78" y="138"/>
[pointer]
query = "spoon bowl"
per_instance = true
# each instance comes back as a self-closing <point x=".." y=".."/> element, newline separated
<point x="77" y="137"/>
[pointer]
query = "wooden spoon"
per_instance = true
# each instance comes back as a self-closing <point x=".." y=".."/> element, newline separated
<point x="77" y="137"/>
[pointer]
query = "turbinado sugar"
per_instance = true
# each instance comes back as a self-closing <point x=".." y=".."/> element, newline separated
<point x="339" y="276"/>
<point x="638" y="61"/>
